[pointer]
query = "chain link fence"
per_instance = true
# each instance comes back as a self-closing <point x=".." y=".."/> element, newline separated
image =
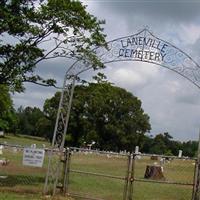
<point x="16" y="177"/>
<point x="108" y="175"/>
<point x="161" y="177"/>
<point x="104" y="175"/>
<point x="98" y="174"/>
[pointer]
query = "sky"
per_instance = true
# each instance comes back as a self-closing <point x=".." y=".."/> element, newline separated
<point x="171" y="101"/>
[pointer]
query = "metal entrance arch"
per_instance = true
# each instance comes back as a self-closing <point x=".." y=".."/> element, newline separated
<point x="142" y="46"/>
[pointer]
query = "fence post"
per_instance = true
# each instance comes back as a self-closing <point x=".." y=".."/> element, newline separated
<point x="131" y="177"/>
<point x="126" y="185"/>
<point x="196" y="191"/>
<point x="66" y="170"/>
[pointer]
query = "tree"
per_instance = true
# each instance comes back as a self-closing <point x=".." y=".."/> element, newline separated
<point x="190" y="148"/>
<point x="146" y="144"/>
<point x="27" y="27"/>
<point x="164" y="144"/>
<point x="29" y="120"/>
<point x="159" y="145"/>
<point x="44" y="127"/>
<point x="7" y="113"/>
<point x="108" y="115"/>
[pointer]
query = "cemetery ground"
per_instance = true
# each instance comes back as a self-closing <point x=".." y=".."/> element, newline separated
<point x="22" y="182"/>
<point x="23" y="140"/>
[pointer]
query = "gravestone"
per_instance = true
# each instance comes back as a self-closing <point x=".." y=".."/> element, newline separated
<point x="1" y="149"/>
<point x="180" y="153"/>
<point x="136" y="149"/>
<point x="33" y="146"/>
<point x="14" y="149"/>
<point x="1" y="133"/>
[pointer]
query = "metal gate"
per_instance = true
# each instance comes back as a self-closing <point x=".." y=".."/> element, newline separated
<point x="102" y="175"/>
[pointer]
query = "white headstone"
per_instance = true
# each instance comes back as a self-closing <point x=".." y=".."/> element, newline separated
<point x="180" y="153"/>
<point x="137" y="149"/>
<point x="14" y="149"/>
<point x="1" y="133"/>
<point x="33" y="146"/>
<point x="162" y="161"/>
<point x="162" y="169"/>
<point x="1" y="149"/>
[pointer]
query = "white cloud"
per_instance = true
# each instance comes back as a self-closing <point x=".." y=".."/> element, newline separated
<point x="189" y="33"/>
<point x="131" y="74"/>
<point x="172" y="102"/>
<point x="34" y="95"/>
<point x="173" y="87"/>
<point x="127" y="77"/>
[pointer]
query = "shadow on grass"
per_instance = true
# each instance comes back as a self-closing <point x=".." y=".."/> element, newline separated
<point x="13" y="180"/>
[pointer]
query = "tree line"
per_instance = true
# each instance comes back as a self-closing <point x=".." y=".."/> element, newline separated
<point x="102" y="113"/>
<point x="107" y="116"/>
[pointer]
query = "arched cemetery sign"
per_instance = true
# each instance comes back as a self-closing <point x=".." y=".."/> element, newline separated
<point x="142" y="46"/>
<point x="153" y="50"/>
<point x="145" y="47"/>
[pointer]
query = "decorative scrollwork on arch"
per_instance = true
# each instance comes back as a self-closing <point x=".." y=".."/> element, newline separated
<point x="145" y="47"/>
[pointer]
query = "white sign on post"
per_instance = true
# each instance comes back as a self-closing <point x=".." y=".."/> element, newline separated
<point x="33" y="157"/>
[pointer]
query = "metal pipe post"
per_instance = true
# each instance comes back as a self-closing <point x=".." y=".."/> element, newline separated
<point x="131" y="180"/>
<point x="196" y="193"/>
<point x="126" y="184"/>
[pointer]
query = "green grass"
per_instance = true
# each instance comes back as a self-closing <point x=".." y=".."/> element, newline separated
<point x="20" y="196"/>
<point x="23" y="140"/>
<point x="15" y="196"/>
<point x="105" y="188"/>
<point x="23" y="182"/>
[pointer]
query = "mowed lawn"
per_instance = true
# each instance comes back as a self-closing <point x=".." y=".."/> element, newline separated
<point x="17" y="181"/>
<point x="24" y="140"/>
<point x="23" y="182"/>
<point x="178" y="171"/>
